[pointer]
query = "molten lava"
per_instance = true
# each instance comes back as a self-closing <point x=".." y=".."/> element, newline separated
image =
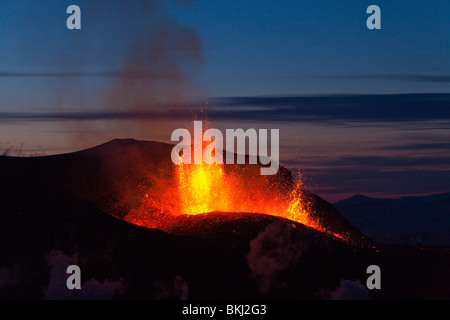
<point x="203" y="188"/>
<point x="207" y="188"/>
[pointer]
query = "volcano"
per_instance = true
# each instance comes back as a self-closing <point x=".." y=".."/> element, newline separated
<point x="127" y="216"/>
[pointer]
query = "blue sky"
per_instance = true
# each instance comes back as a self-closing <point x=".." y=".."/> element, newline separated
<point x="273" y="47"/>
<point x="248" y="47"/>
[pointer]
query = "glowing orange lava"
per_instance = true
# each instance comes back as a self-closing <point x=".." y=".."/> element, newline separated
<point x="203" y="188"/>
<point x="207" y="188"/>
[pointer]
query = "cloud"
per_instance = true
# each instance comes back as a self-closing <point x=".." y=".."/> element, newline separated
<point x="347" y="180"/>
<point x="135" y="74"/>
<point x="332" y="108"/>
<point x="95" y="290"/>
<point x="90" y="290"/>
<point x="350" y="290"/>
<point x="92" y="115"/>
<point x="445" y="146"/>
<point x="409" y="174"/>
<point x="129" y="102"/>
<point x="387" y="162"/>
<point x="401" y="77"/>
<point x="271" y="253"/>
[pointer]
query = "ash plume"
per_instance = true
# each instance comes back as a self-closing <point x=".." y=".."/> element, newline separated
<point x="149" y="57"/>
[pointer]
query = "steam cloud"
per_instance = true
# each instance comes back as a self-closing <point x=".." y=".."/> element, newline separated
<point x="350" y="290"/>
<point x="90" y="290"/>
<point x="272" y="252"/>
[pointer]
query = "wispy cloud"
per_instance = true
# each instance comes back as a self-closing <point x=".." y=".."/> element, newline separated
<point x="400" y="77"/>
<point x="109" y="74"/>
<point x="331" y="109"/>
<point x="92" y="115"/>
<point x="387" y="162"/>
<point x="445" y="146"/>
<point x="370" y="180"/>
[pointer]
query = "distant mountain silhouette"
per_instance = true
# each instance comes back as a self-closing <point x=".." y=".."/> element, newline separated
<point x="417" y="219"/>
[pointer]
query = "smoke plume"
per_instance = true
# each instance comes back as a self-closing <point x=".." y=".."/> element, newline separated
<point x="273" y="252"/>
<point x="350" y="290"/>
<point x="149" y="59"/>
<point x="90" y="290"/>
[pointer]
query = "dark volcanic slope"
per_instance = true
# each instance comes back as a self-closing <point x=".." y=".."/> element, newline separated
<point x="115" y="177"/>
<point x="56" y="211"/>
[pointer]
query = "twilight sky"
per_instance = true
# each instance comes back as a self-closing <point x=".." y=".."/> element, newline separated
<point x="359" y="111"/>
